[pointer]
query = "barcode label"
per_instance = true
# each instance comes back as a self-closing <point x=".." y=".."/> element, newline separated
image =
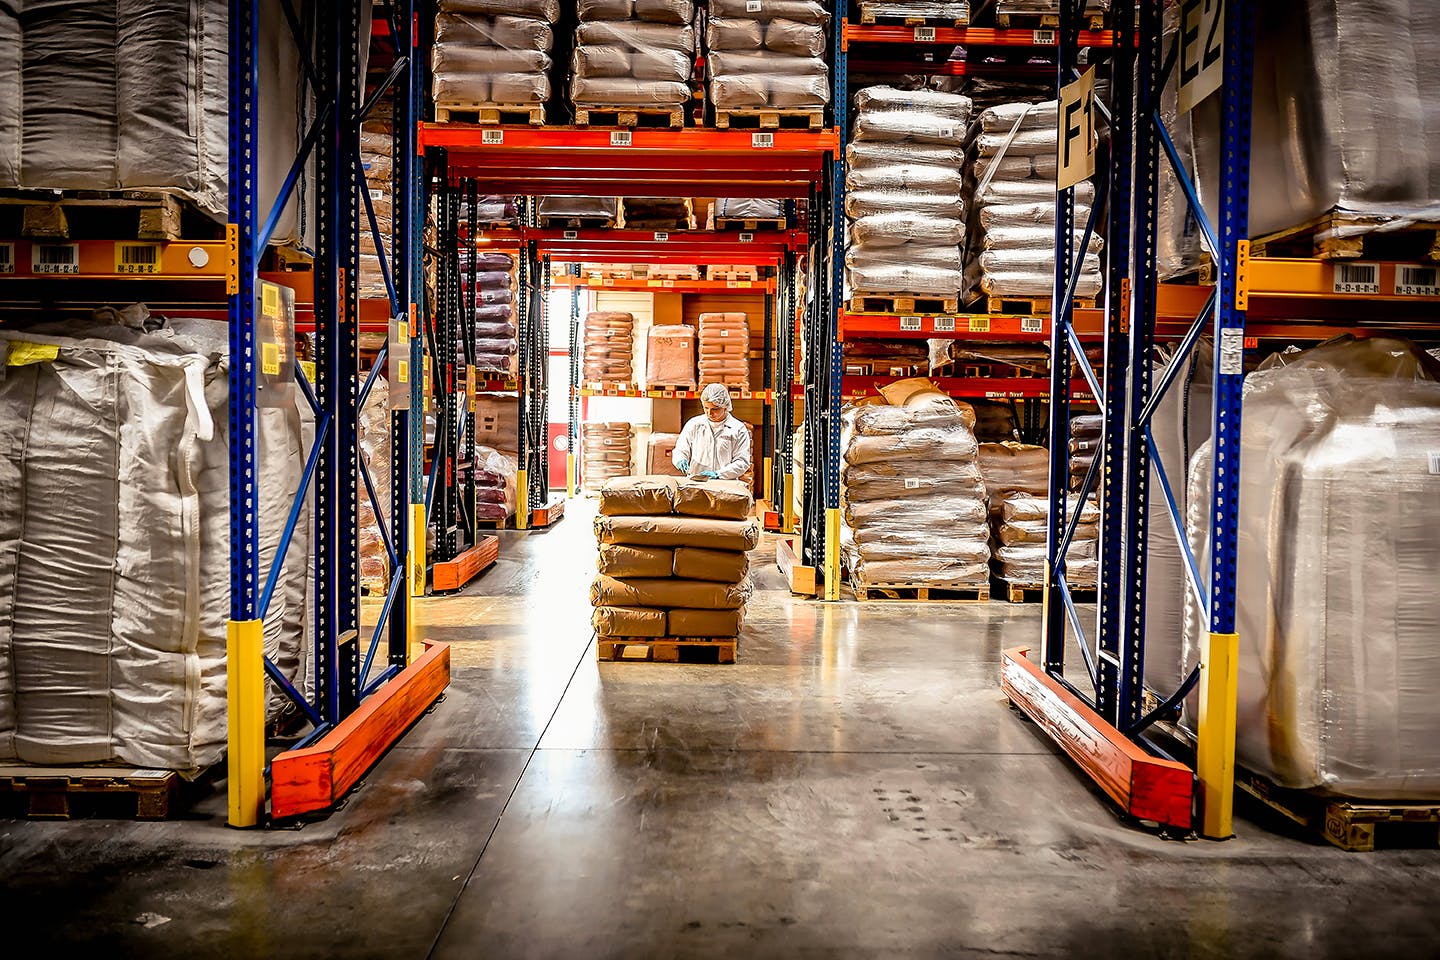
<point x="912" y="483"/>
<point x="137" y="258"/>
<point x="661" y="237"/>
<point x="1032" y="325"/>
<point x="731" y="284"/>
<point x="1435" y="461"/>
<point x="7" y="258"/>
<point x="667" y="283"/>
<point x="1416" y="281"/>
<point x="747" y="238"/>
<point x="619" y="138"/>
<point x="924" y="34"/>
<point x="979" y="324"/>
<point x="1232" y="351"/>
<point x="55" y="258"/>
<point x="743" y="283"/>
<point x="377" y="194"/>
<point x="909" y="323"/>
<point x="607" y="282"/>
<point x="752" y="6"/>
<point x="944" y="324"/>
<point x="724" y="333"/>
<point x="270" y="359"/>
<point x="1357" y="278"/>
<point x="492" y="136"/>
<point x="572" y="234"/>
<point x="1044" y="38"/>
<point x="762" y="139"/>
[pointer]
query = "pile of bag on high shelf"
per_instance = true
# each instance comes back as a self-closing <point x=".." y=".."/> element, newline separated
<point x="673" y="557"/>
<point x="1012" y="170"/>
<point x="609" y="348"/>
<point x="904" y="193"/>
<point x="1017" y="482"/>
<point x="572" y="211"/>
<point x="1085" y="435"/>
<point x="605" y="452"/>
<point x="725" y="350"/>
<point x="767" y="55"/>
<point x="495" y="344"/>
<point x="491" y="211"/>
<point x="633" y="53"/>
<point x="909" y="474"/>
<point x="493" y="52"/>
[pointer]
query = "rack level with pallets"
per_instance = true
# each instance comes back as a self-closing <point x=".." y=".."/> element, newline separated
<point x="750" y="223"/>
<point x="629" y="116"/>
<point x="872" y="13"/>
<point x="1354" y="825"/>
<point x="928" y="592"/>
<point x="1341" y="236"/>
<point x="668" y="649"/>
<point x="485" y="113"/>
<point x="760" y="119"/>
<point x="901" y="303"/>
<point x="108" y="214"/>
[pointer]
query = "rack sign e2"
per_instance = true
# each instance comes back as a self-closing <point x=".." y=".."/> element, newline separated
<point x="1202" y="50"/>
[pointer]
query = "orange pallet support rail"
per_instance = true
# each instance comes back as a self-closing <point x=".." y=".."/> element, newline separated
<point x="316" y="777"/>
<point x="454" y="574"/>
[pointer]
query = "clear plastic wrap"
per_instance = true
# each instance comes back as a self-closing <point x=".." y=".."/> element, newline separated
<point x="799" y="11"/>
<point x="909" y="278"/>
<point x="913" y="126"/>
<point x="864" y="258"/>
<point x="623" y="92"/>
<point x="903" y="227"/>
<point x="491" y="59"/>
<point x="589" y="207"/>
<point x="882" y="98"/>
<point x="906" y="176"/>
<point x="547" y="10"/>
<point x="1040" y="166"/>
<point x="609" y="354"/>
<point x="619" y="63"/>
<point x="734" y="209"/>
<point x="864" y="203"/>
<point x="1030" y="116"/>
<point x="605" y="452"/>
<point x="890" y="152"/>
<point x="724" y="348"/>
<point x="635" y="36"/>
<point x="670" y="356"/>
<point x="1335" y="605"/>
<point x="650" y="11"/>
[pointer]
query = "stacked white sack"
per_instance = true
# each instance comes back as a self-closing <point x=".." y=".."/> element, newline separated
<point x="493" y="51"/>
<point x="638" y="53"/>
<point x="767" y="54"/>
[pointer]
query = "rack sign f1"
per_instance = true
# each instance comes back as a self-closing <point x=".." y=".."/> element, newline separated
<point x="1077" y="131"/>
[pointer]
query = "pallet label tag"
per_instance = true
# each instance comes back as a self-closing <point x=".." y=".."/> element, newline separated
<point x="607" y="281"/>
<point x="762" y="140"/>
<point x="1043" y="38"/>
<point x="1411" y="280"/>
<point x="909" y="323"/>
<point x="492" y="136"/>
<point x="912" y="483"/>
<point x="55" y="258"/>
<point x="1077" y="131"/>
<point x="619" y="138"/>
<point x="979" y="324"/>
<point x="1032" y="325"/>
<point x="924" y="34"/>
<point x="944" y="324"/>
<point x="1202" y="50"/>
<point x="131" y="258"/>
<point x="1232" y="350"/>
<point x="572" y="235"/>
<point x="1356" y="277"/>
<point x="7" y="258"/>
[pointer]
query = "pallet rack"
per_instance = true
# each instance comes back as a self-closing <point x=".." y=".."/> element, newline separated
<point x="1108" y="728"/>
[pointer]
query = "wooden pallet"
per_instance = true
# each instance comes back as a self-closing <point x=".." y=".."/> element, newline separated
<point x="1352" y="825"/>
<point x="577" y="223"/>
<point x="732" y="273"/>
<point x="118" y="214"/>
<point x="668" y="649"/>
<point x="750" y="223"/>
<point x="903" y="303"/>
<point x="57" y="793"/>
<point x="1315" y="239"/>
<point x="880" y="368"/>
<point x="447" y="575"/>
<point x="674" y="388"/>
<point x="932" y="592"/>
<point x="1022" y="20"/>
<point x="1025" y="306"/>
<point x="1035" y="592"/>
<point x="490" y="113"/>
<point x="770" y="119"/>
<point x="671" y="117"/>
<point x="868" y="16"/>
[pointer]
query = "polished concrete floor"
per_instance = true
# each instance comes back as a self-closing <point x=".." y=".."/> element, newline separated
<point x="855" y="786"/>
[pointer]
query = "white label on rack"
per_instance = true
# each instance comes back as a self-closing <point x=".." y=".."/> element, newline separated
<point x="492" y="136"/>
<point x="1032" y="325"/>
<point x="55" y="258"/>
<point x="944" y="324"/>
<point x="924" y="34"/>
<point x="607" y="281"/>
<point x="731" y="284"/>
<point x="912" y="483"/>
<point x="747" y="238"/>
<point x="909" y="323"/>
<point x="1357" y="277"/>
<point x="661" y="237"/>
<point x="1232" y="350"/>
<point x="1411" y="280"/>
<point x="619" y="138"/>
<point x="572" y="234"/>
<point x="7" y="258"/>
<point x="667" y="283"/>
<point x="762" y="139"/>
<point x="1043" y="38"/>
<point x="1435" y="462"/>
<point x="1202" y="50"/>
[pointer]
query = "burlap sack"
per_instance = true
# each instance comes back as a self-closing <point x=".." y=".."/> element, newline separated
<point x="697" y="563"/>
<point x="719" y="499"/>
<point x="656" y="531"/>
<point x="704" y="623"/>
<point x="637" y="497"/>
<point x="620" y="560"/>
<point x="667" y="592"/>
<point x="628" y="622"/>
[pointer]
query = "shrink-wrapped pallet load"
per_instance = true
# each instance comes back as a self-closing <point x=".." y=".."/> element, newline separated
<point x="670" y="357"/>
<point x="767" y="55"/>
<point x="1017" y="481"/>
<point x="885" y="358"/>
<point x="609" y="355"/>
<point x="493" y="52"/>
<point x="1335" y="605"/>
<point x="724" y="346"/>
<point x="605" y="210"/>
<point x="633" y="53"/>
<point x="605" y="452"/>
<point x="495" y="488"/>
<point x="1011" y="171"/>
<point x="909" y="471"/>
<point x="114" y="459"/>
<point x="495" y="348"/>
<point x="673" y="557"/>
<point x="904" y="193"/>
<point x="497" y="422"/>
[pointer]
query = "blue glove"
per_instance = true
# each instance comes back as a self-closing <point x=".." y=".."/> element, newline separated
<point x="710" y="475"/>
<point x="684" y="466"/>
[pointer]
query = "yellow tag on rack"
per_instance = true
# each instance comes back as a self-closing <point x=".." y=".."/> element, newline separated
<point x="269" y="300"/>
<point x="979" y="324"/>
<point x="270" y="359"/>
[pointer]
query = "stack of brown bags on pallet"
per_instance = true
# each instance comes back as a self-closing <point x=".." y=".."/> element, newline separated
<point x="725" y="349"/>
<point x="913" y="499"/>
<point x="495" y="345"/>
<point x="1084" y="445"/>
<point x="670" y="356"/>
<point x="1017" y="481"/>
<point x="376" y="161"/>
<point x="605" y="449"/>
<point x="635" y="53"/>
<point x="673" y="557"/>
<point x="609" y="348"/>
<point x="494" y="485"/>
<point x="493" y="51"/>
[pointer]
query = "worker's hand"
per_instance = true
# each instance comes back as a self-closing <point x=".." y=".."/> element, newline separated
<point x="709" y="475"/>
<point x="684" y="466"/>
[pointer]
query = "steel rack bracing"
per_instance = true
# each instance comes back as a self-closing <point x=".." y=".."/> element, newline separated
<point x="358" y="707"/>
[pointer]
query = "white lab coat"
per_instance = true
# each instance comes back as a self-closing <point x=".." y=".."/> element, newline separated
<point x="726" y="450"/>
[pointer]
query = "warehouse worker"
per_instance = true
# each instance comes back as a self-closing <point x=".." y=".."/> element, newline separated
<point x="714" y="445"/>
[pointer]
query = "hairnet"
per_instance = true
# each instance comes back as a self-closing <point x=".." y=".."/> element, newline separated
<point x="716" y="394"/>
